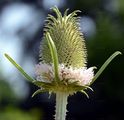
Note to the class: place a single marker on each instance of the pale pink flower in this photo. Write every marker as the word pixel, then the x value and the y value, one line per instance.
pixel 44 72
pixel 83 76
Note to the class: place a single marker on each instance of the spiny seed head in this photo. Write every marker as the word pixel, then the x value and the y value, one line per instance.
pixel 68 39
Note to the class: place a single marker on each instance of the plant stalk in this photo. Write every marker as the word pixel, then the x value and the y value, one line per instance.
pixel 61 105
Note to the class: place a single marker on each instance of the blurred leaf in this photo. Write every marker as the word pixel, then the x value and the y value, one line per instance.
pixel 6 93
pixel 11 113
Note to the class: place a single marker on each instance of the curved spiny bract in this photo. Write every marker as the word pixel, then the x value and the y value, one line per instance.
pixel 67 37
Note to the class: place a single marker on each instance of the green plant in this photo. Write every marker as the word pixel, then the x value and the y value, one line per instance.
pixel 62 69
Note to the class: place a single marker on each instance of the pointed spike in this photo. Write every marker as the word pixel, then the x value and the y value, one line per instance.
pixel 50 17
pixel 66 12
pixel 38 91
pixel 89 88
pixel 74 13
pixel 50 93
pixel 58 13
pixel 85 93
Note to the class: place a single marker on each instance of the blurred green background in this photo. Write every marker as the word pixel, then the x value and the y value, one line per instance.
pixel 21 30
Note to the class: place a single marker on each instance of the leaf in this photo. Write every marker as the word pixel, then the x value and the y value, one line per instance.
pixel 19 68
pixel 38 91
pixel 54 55
pixel 105 65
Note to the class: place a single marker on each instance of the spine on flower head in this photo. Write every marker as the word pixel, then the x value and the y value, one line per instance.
pixel 67 37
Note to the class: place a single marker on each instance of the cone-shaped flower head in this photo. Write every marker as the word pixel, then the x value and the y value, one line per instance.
pixel 65 33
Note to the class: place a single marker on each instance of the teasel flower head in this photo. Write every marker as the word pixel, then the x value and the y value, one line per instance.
pixel 68 39
pixel 63 61
pixel 72 73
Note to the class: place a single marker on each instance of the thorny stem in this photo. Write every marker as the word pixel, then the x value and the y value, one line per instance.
pixel 61 104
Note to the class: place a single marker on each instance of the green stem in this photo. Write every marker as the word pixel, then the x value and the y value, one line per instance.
pixel 61 104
